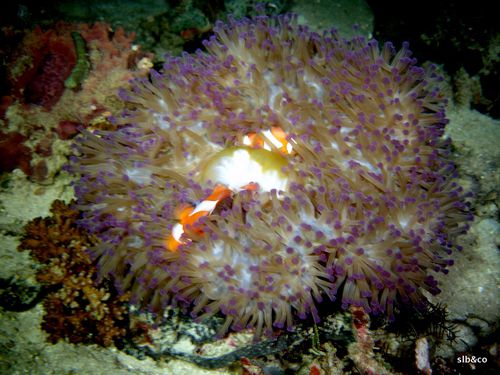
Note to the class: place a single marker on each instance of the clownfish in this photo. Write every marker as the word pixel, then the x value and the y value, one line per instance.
pixel 188 216
pixel 274 137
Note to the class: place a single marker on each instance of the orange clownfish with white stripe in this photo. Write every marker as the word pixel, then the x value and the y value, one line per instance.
pixel 189 215
pixel 275 137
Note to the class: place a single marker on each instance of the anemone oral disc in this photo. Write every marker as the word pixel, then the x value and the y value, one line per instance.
pixel 236 167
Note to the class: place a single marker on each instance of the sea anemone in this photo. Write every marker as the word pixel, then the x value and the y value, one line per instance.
pixel 274 169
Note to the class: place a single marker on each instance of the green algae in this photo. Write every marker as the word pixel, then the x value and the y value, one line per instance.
pixel 82 66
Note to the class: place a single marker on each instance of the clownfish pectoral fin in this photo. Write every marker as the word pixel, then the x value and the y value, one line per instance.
pixel 252 186
pixel 171 244
pixel 183 211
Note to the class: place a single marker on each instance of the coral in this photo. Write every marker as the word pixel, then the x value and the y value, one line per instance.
pixel 279 168
pixel 13 153
pixel 67 129
pixel 106 60
pixel 47 60
pixel 109 53
pixel 78 307
pixel 37 75
pixel 6 101
pixel 40 172
pixel 361 351
pixel 422 356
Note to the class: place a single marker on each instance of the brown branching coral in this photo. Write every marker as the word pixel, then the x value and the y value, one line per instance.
pixel 78 307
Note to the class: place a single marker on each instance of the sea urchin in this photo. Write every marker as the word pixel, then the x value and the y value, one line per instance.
pixel 277 168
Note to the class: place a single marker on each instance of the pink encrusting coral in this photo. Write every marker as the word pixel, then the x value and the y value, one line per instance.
pixel 355 201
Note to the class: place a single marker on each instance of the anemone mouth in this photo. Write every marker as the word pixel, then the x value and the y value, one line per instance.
pixel 238 166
